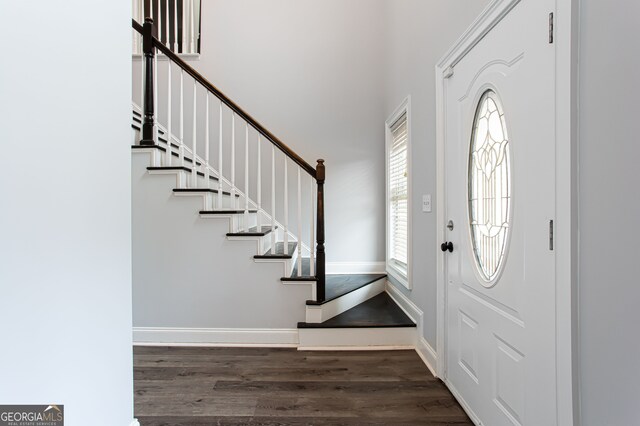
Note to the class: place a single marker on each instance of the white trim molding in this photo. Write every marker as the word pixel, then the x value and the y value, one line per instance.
pixel 422 346
pixel 355 268
pixel 400 275
pixel 566 40
pixel 177 336
pixel 134 422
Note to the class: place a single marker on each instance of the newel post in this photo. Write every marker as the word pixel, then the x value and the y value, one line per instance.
pixel 147 48
pixel 320 255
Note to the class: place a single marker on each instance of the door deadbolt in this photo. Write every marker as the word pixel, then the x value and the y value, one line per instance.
pixel 450 225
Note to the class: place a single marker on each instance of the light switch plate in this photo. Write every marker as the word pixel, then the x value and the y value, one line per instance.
pixel 426 203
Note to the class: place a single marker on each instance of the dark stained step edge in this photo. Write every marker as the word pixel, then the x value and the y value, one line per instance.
pixel 320 326
pixel 163 149
pixel 293 278
pixel 300 278
pixel 216 212
pixel 214 191
pixel 250 233
pixel 179 168
pixel 366 283
pixel 277 255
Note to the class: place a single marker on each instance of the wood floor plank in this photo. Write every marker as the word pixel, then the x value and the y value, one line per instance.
pixel 261 386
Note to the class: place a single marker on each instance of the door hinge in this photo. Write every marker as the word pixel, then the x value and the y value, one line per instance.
pixel 448 73
pixel 551 235
pixel 551 28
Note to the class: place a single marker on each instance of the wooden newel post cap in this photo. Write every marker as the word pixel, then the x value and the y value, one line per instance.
pixel 320 171
pixel 148 20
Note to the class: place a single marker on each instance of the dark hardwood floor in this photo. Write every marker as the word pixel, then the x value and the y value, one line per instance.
pixel 256 386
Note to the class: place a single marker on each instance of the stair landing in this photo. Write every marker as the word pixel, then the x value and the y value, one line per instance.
pixel 379 311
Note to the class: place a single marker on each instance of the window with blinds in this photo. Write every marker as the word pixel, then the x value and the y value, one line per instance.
pixel 398 194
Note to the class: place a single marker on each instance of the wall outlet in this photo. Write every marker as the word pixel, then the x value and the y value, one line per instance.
pixel 426 203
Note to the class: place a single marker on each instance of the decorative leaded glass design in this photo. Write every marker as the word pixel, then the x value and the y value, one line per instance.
pixel 489 186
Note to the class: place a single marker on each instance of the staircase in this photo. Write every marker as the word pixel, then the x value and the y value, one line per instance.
pixel 285 221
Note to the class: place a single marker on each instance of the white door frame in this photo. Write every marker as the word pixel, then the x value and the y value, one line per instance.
pixel 565 38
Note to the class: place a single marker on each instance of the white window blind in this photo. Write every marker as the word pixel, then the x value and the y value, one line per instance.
pixel 398 191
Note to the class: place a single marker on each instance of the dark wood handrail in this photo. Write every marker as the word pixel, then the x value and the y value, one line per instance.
pixel 136 26
pixel 229 103
pixel 148 122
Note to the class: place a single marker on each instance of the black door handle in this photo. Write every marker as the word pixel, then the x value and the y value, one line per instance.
pixel 448 245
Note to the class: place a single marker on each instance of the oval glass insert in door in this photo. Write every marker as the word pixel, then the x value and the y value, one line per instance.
pixel 489 181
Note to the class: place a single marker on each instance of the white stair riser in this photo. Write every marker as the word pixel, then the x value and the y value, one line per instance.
pixel 317 314
pixel 325 338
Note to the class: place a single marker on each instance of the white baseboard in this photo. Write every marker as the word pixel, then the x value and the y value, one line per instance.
pixel 406 304
pixel 355 348
pixel 174 336
pixel 426 352
pixel 134 422
pixel 355 268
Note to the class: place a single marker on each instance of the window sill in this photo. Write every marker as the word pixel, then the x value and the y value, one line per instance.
pixel 398 275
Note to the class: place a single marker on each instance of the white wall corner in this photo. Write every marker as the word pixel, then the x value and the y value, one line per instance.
pixel 356 268
pixel 241 337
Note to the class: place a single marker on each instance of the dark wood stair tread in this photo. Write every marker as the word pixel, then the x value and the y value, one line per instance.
pixel 200 190
pixel 279 253
pixel 215 212
pixel 169 168
pixel 304 274
pixel 252 232
pixel 378 312
pixel 337 285
pixel 161 148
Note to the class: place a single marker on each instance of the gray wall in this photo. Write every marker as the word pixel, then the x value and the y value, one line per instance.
pixel 324 76
pixel 65 227
pixel 609 204
pixel 311 71
pixel 419 32
pixel 189 275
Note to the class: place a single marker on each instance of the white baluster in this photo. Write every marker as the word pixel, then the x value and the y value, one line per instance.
pixel 233 160
pixel 134 33
pixel 246 175
pixel 299 224
pixel 181 142
pixel 159 23
pixel 194 172
pixel 155 97
pixel 220 160
pixel 142 83
pixel 175 26
pixel 168 155
pixel 273 199
pixel 167 26
pixel 192 28
pixel 259 186
pixel 206 144
pixel 141 21
pixel 184 26
pixel 286 208
pixel 312 243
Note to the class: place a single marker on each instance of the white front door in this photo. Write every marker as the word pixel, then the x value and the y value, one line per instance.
pixel 500 334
